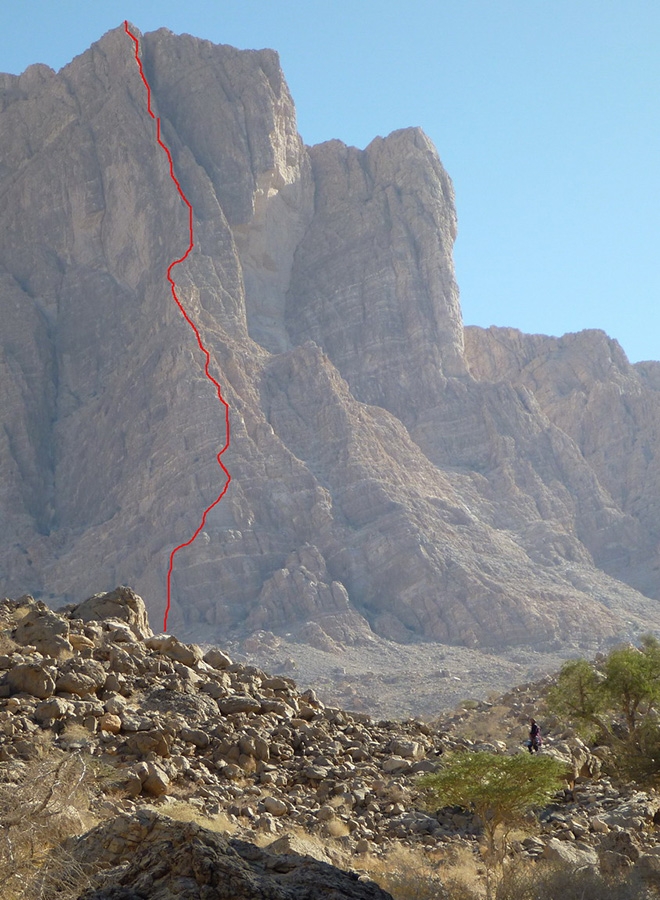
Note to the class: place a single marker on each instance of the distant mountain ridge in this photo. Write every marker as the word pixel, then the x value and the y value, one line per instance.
pixel 394 475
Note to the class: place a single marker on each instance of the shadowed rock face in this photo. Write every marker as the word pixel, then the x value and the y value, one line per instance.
pixel 385 478
pixel 184 860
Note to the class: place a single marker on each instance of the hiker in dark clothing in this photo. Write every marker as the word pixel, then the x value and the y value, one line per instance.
pixel 534 742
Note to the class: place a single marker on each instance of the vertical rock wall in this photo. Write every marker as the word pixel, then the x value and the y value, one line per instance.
pixel 384 482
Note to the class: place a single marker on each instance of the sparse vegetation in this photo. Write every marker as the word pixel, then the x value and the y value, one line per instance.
pixel 549 881
pixel 184 811
pixel 615 701
pixel 48 802
pixel 498 789
pixel 170 748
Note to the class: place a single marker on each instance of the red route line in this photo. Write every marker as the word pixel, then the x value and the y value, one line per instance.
pixel 185 315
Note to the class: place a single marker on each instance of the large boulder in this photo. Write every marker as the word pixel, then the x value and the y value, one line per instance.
pixel 168 645
pixel 45 630
pixel 122 603
pixel 570 855
pixel 31 678
pixel 81 677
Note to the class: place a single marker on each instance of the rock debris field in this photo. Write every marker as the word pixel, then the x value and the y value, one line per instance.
pixel 301 788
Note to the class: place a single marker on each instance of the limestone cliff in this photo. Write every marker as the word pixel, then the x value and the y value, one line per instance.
pixel 386 480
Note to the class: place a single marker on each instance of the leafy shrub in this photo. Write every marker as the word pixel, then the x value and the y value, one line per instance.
pixel 616 701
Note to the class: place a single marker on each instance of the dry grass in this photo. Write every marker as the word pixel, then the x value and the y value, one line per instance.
pixel 549 881
pixel 459 874
pixel 495 724
pixel 183 811
pixel 73 731
pixel 454 873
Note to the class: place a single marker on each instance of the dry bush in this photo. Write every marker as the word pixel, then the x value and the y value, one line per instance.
pixel 495 724
pixel 46 802
pixel 409 876
pixel 550 881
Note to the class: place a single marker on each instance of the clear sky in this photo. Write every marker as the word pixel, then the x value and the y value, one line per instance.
pixel 545 114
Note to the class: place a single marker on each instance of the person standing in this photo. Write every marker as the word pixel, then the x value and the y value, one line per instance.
pixel 534 742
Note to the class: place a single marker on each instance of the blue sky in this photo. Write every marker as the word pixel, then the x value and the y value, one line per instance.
pixel 545 114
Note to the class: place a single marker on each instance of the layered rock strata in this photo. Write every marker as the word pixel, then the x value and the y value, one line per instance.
pixel 386 482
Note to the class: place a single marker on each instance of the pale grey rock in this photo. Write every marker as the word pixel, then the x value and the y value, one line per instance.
pixel 167 644
pixel 407 749
pixel 569 854
pixel 585 385
pixel 395 764
pixel 275 806
pixel 387 482
pixel 239 703
pixel 217 659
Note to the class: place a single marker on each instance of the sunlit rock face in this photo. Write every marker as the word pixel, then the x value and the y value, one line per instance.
pixel 392 475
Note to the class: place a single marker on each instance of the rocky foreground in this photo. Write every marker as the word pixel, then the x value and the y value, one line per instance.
pixel 298 788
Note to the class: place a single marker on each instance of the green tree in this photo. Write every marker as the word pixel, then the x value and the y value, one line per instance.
pixel 499 789
pixel 619 698
pixel 578 694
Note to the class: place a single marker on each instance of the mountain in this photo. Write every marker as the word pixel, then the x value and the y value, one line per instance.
pixel 394 476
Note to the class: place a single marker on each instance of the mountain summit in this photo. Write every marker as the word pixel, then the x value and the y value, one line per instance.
pixel 394 476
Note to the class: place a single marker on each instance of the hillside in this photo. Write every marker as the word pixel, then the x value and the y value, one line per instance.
pixel 136 766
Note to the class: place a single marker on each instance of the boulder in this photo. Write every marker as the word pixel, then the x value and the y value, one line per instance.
pixel 239 703
pixel 110 722
pixel 635 813
pixel 80 642
pixel 570 854
pixel 122 603
pixel 408 749
pixel 52 709
pixel 166 859
pixel 216 658
pixel 157 781
pixel 81 676
pixel 174 649
pixel 141 743
pixel 31 678
pixel 275 806
pixel 195 736
pixel 395 764
pixel 45 630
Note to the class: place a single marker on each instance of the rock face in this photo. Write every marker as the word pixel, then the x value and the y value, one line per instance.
pixel 586 387
pixel 387 481
pixel 173 860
